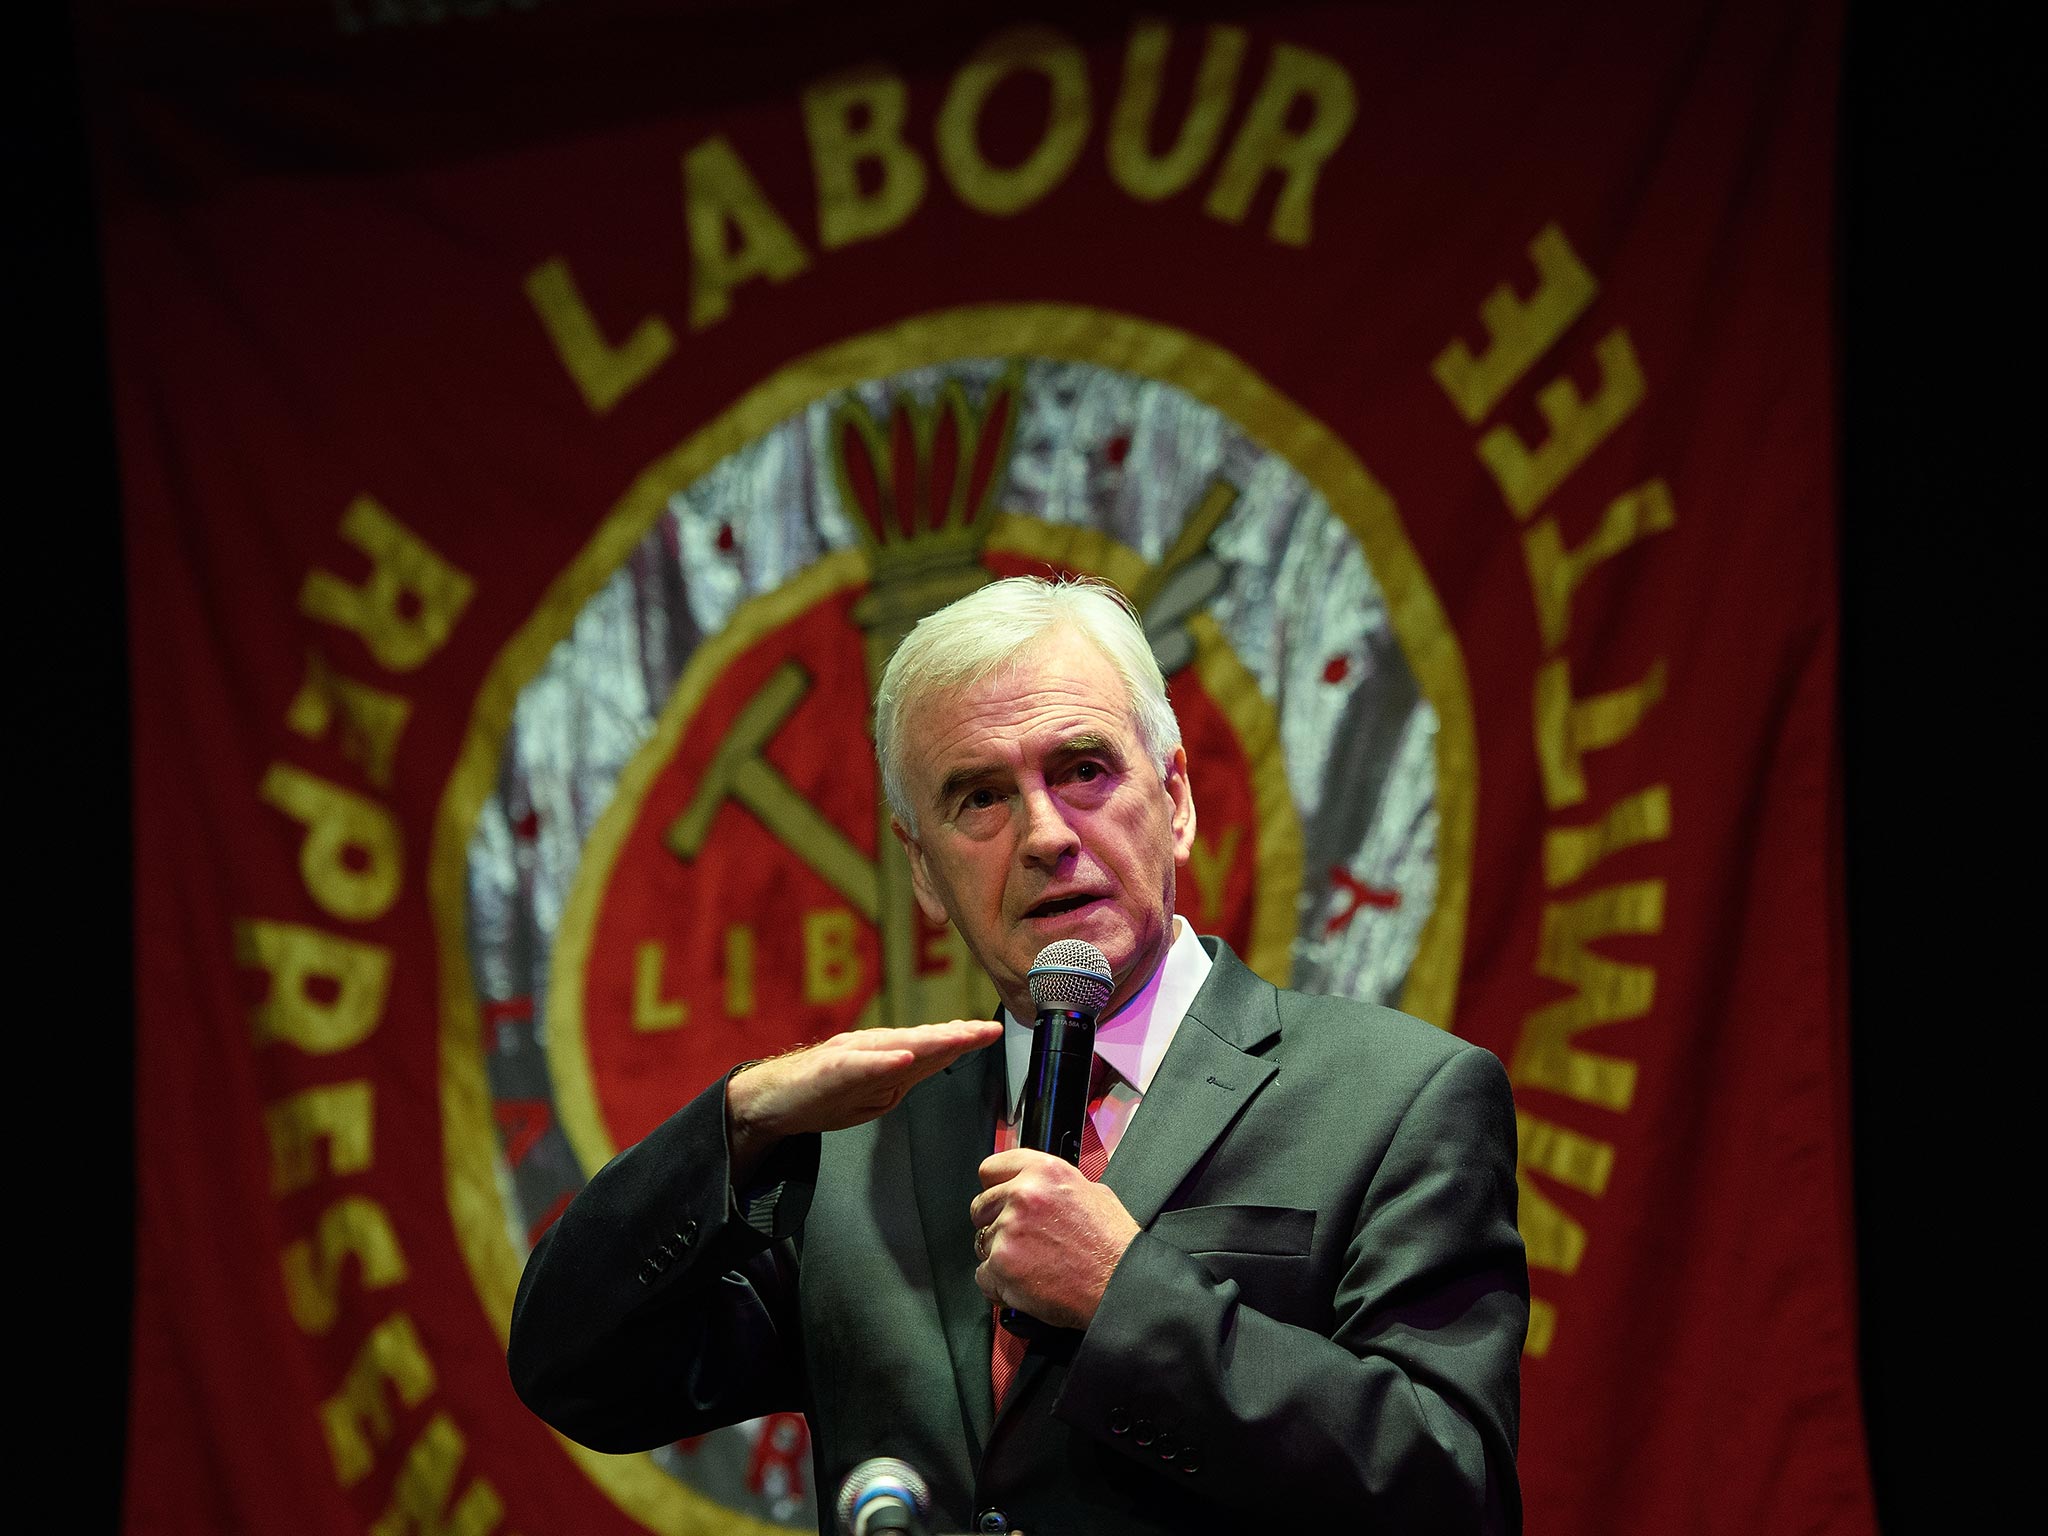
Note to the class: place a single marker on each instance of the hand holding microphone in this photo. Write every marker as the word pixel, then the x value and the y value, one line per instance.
pixel 1047 1237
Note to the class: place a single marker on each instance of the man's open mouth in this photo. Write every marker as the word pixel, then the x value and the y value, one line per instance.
pixel 1061 904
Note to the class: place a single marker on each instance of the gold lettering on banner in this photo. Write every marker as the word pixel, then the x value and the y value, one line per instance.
pixel 1008 190
pixel 1604 992
pixel 735 233
pixel 338 824
pixel 869 177
pixel 420 1498
pixel 296 958
pixel 652 1011
pixel 1517 333
pixel 337 1114
pixel 1553 1240
pixel 1136 169
pixel 353 1227
pixel 1570 852
pixel 1577 426
pixel 946 953
pixel 603 373
pixel 1568 728
pixel 832 968
pixel 1548 1056
pixel 1555 574
pixel 371 719
pixel 881 102
pixel 407 608
pixel 1266 144
pixel 1212 863
pixel 323 993
pixel 739 971
pixel 361 1412
pixel 1577 1162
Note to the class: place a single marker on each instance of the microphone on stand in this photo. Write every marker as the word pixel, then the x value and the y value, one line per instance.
pixel 884 1494
pixel 1070 984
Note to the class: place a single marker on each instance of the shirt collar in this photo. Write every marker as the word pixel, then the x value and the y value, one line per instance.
pixel 1133 1039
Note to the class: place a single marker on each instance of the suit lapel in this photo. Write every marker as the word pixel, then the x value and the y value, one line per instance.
pixel 1202 1085
pixel 952 1128
pixel 1206 1079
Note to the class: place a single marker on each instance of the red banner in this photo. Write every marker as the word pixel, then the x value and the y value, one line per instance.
pixel 538 422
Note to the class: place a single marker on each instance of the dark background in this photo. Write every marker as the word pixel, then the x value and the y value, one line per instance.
pixel 1935 497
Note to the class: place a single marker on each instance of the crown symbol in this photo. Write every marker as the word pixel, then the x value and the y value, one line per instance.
pixel 920 487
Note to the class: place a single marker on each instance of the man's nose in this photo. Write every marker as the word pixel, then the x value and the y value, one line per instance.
pixel 1047 836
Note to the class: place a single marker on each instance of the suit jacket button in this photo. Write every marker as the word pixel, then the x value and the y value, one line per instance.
pixel 1119 1421
pixel 1191 1458
pixel 1166 1448
pixel 993 1521
pixel 688 1235
pixel 1144 1431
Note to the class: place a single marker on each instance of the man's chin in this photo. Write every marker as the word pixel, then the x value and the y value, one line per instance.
pixel 1030 936
pixel 1109 929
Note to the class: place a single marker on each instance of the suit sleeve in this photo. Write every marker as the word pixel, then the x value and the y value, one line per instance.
pixel 662 1304
pixel 1404 1417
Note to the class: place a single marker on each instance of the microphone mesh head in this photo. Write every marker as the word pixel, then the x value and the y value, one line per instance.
pixel 1070 973
pixel 880 1475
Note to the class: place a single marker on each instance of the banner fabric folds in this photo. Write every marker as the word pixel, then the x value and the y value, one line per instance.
pixel 538 422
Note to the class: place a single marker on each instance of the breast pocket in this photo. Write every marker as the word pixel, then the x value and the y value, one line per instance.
pixel 1264 1249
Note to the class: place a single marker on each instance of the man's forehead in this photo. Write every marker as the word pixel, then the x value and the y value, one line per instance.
pixel 950 743
pixel 977 759
pixel 1053 703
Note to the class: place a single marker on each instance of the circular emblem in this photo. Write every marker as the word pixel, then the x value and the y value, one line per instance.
pixel 664 849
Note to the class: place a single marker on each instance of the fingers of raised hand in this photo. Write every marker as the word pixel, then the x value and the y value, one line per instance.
pixel 905 1055
pixel 855 1076
pixel 938 1045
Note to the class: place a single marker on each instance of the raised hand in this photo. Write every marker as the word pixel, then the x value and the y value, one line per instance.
pixel 1047 1236
pixel 847 1080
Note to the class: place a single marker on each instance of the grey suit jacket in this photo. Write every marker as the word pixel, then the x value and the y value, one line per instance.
pixel 1322 1317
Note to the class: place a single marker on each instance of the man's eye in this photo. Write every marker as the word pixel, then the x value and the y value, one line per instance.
pixel 978 800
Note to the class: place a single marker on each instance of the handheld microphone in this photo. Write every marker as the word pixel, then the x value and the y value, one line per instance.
pixel 884 1494
pixel 1070 984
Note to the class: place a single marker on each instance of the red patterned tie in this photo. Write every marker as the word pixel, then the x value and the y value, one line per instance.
pixel 1009 1348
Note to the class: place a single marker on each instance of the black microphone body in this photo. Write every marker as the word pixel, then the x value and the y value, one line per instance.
pixel 1056 1083
pixel 1070 984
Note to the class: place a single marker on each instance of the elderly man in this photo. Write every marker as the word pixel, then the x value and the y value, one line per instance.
pixel 1296 1291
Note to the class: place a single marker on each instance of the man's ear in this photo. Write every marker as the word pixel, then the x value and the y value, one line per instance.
pixel 920 876
pixel 1181 791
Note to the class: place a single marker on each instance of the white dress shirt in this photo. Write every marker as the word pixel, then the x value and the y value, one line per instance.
pixel 1133 1040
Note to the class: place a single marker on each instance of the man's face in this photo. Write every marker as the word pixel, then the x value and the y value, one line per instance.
pixel 1039 816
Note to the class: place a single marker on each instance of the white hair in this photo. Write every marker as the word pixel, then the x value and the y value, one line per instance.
pixel 990 628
